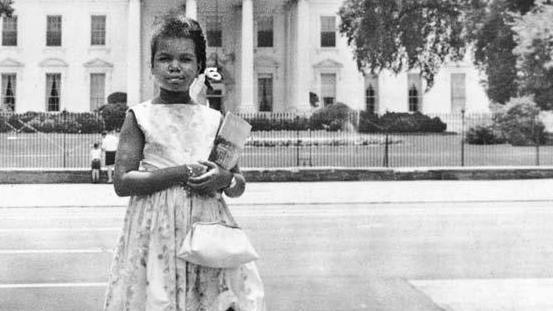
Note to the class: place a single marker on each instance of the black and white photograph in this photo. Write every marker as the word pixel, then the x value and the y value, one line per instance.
pixel 276 155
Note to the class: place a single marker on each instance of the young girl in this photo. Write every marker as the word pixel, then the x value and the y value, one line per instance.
pixel 163 142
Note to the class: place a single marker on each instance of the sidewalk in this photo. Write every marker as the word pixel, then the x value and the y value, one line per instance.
pixel 59 195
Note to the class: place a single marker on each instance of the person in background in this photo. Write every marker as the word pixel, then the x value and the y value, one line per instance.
pixel 96 162
pixel 109 146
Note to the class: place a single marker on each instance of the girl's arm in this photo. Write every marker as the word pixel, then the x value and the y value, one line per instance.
pixel 127 179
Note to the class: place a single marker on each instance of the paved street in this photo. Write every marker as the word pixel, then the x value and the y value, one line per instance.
pixel 420 245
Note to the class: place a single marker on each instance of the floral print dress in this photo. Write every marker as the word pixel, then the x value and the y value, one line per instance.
pixel 146 274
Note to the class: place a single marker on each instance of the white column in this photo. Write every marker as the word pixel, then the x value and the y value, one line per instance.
pixel 247 103
pixel 192 9
pixel 133 53
pixel 302 68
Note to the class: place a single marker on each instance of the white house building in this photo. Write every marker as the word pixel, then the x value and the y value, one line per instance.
pixel 71 54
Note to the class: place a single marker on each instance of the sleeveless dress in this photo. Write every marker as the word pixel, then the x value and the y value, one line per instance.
pixel 146 274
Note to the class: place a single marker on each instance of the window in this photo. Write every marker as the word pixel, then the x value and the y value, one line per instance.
pixel 265 32
pixel 328 88
pixel 53 88
pixel 458 92
pixel 328 31
pixel 413 99
pixel 371 93
pixel 98 30
pixel 214 32
pixel 9 31
pixel 265 92
pixel 53 31
pixel 8 91
pixel 414 84
pixel 97 90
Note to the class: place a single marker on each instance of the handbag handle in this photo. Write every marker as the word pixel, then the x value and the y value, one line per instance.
pixel 220 222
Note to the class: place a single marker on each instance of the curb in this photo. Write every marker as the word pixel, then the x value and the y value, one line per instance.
pixel 65 175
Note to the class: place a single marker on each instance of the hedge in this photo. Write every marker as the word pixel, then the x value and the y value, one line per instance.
pixel 484 135
pixel 277 122
pixel 400 122
pixel 334 117
pixel 65 122
pixel 331 118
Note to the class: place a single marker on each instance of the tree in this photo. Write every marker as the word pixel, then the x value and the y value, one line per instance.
pixel 6 8
pixel 489 28
pixel 405 34
pixel 534 38
pixel 400 35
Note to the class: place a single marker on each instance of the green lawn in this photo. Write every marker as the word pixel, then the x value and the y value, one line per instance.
pixel 72 150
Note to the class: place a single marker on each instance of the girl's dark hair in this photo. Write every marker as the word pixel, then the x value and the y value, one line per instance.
pixel 176 25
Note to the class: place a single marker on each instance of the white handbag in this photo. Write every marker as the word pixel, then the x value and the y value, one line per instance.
pixel 217 245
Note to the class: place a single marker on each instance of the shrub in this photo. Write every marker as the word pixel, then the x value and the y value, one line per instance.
pixel 89 122
pixel 18 121
pixel 333 117
pixel 369 123
pixel 518 122
pixel 43 123
pixel 412 122
pixel 113 115
pixel 277 122
pixel 402 122
pixel 4 125
pixel 484 135
pixel 68 122
pixel 117 98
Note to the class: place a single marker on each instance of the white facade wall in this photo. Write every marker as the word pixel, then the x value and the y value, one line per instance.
pixel 438 98
pixel 338 60
pixel 75 59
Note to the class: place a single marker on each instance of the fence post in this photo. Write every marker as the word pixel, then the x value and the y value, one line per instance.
pixel 297 146
pixel 310 147
pixel 536 139
pixel 64 116
pixel 462 137
pixel 386 143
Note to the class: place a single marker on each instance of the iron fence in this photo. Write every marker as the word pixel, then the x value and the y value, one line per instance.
pixel 41 140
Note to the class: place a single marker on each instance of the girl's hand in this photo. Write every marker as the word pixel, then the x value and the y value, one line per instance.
pixel 196 169
pixel 215 179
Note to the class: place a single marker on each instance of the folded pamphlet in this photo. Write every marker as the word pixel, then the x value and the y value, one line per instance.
pixel 230 141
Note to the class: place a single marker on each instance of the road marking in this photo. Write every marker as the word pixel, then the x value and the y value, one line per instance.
pixel 46 285
pixel 489 294
pixel 56 251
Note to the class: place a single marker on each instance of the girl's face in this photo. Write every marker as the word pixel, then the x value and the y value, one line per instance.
pixel 175 64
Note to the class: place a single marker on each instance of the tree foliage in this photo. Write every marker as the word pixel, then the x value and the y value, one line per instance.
pixel 400 35
pixel 489 28
pixel 6 8
pixel 519 122
pixel 534 38
pixel 117 98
